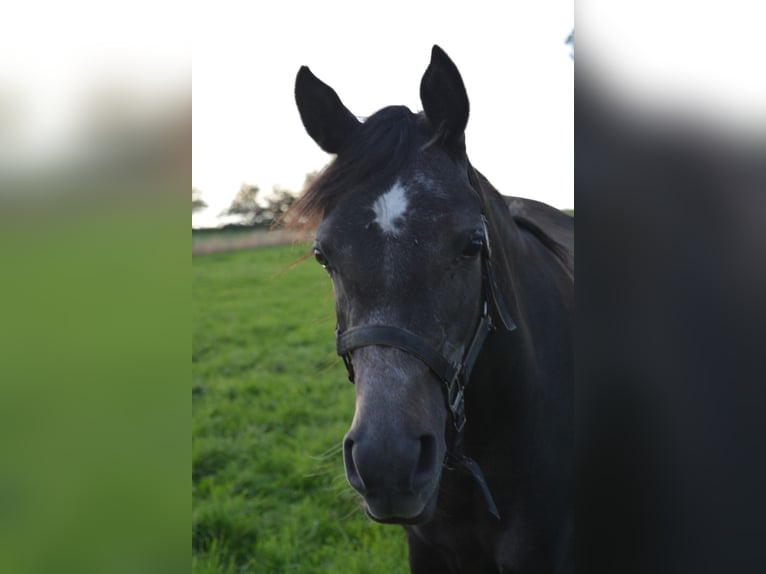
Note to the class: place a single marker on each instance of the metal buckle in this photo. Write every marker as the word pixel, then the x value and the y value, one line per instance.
pixel 485 226
pixel 458 411
pixel 455 398
pixel 349 367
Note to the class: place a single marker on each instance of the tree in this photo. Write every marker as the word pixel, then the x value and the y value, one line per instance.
pixel 277 205
pixel 245 203
pixel 197 202
pixel 309 179
pixel 256 212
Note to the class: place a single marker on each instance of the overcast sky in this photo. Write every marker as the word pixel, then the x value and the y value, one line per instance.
pixel 512 57
pixel 517 71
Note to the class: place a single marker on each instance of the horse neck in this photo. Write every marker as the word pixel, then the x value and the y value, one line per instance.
pixel 516 384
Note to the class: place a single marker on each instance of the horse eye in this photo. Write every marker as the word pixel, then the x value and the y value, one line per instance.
pixel 321 259
pixel 474 247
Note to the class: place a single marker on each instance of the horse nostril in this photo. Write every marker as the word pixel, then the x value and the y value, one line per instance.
pixel 352 474
pixel 426 465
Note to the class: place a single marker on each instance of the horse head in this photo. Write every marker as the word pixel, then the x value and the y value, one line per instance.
pixel 402 235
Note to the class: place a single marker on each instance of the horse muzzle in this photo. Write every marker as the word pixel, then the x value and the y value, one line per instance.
pixel 398 479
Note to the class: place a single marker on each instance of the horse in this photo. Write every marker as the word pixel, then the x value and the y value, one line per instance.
pixel 454 309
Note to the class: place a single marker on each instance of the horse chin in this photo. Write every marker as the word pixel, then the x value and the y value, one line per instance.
pixel 418 517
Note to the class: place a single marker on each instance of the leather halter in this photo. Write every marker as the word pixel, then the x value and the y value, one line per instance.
pixel 455 373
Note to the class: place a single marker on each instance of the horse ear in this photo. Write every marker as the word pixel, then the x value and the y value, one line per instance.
pixel 324 116
pixel 443 95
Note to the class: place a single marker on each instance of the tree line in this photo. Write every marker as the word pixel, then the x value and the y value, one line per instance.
pixel 253 209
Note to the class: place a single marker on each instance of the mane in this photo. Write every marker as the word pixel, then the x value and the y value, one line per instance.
pixel 548 240
pixel 378 150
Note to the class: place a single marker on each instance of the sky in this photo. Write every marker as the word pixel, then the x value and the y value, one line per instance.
pixel 512 58
pixel 239 59
pixel 57 58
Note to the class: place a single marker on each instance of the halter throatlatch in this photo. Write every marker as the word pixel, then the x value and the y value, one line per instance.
pixel 454 372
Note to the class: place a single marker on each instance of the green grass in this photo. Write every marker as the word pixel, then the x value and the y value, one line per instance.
pixel 270 406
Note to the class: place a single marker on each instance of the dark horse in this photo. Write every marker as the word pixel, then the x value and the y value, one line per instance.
pixel 454 314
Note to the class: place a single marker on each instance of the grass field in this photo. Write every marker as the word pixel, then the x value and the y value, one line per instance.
pixel 270 406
